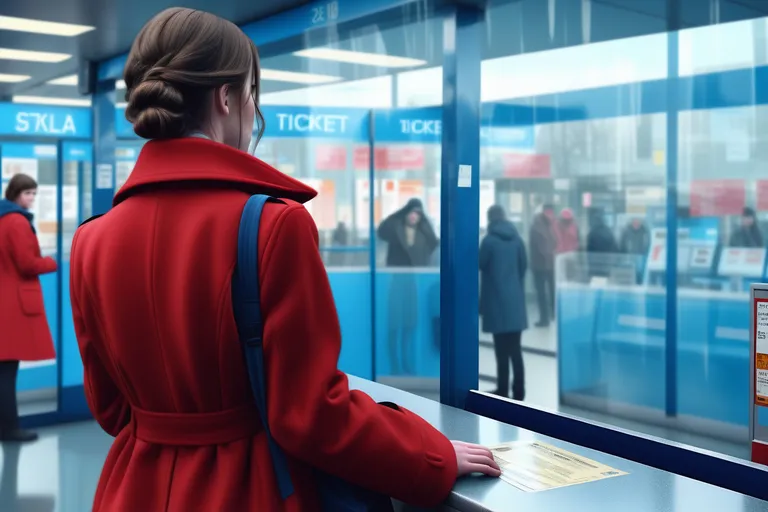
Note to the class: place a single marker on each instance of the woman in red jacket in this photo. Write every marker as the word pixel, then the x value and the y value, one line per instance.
pixel 151 298
pixel 24 332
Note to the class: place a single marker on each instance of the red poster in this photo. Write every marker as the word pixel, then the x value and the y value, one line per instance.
pixel 330 157
pixel 390 158
pixel 762 195
pixel 715 198
pixel 522 165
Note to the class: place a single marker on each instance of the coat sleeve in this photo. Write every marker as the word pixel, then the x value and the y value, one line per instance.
pixel 106 402
pixel 25 249
pixel 522 261
pixel 312 412
pixel 388 228
pixel 484 256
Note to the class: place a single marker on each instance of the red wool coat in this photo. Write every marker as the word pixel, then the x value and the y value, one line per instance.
pixel 151 299
pixel 24 331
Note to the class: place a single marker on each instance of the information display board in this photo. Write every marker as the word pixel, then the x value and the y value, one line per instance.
pixel 742 262
pixel 758 399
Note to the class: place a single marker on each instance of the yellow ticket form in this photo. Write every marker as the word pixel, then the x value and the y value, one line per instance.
pixel 533 466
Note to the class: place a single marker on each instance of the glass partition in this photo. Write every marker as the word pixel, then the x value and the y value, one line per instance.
pixel 407 160
pixel 77 160
pixel 318 129
pixel 643 142
pixel 320 147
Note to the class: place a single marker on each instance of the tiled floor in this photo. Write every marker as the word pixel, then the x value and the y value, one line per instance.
pixel 57 473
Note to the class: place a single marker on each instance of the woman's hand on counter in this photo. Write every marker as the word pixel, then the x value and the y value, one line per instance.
pixel 472 458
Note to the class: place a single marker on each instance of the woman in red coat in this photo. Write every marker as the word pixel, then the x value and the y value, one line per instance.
pixel 152 305
pixel 24 332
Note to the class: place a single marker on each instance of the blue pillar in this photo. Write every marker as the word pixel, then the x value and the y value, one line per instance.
pixel 463 40
pixel 104 144
pixel 673 109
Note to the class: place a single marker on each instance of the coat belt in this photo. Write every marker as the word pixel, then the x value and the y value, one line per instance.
pixel 195 429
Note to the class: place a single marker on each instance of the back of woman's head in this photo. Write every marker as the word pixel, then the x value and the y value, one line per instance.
pixel 178 59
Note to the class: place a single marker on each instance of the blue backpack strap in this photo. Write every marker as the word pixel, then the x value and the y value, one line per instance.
pixel 247 308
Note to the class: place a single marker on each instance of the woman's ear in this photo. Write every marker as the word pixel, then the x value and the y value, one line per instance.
pixel 221 100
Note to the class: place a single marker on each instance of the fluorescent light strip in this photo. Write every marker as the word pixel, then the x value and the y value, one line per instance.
pixel 50 28
pixel 30 56
pixel 45 100
pixel 362 58
pixel 120 84
pixel 13 79
pixel 296 77
pixel 64 80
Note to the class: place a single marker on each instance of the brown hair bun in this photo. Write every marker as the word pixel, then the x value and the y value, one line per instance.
pixel 156 109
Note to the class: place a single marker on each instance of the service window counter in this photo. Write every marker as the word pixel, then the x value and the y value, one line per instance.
pixel 320 147
pixel 406 167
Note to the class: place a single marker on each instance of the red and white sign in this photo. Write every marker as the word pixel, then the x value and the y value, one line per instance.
pixel 390 158
pixel 715 198
pixel 522 165
pixel 330 157
pixel 762 195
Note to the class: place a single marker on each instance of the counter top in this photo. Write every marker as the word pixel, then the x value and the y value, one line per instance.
pixel 645 489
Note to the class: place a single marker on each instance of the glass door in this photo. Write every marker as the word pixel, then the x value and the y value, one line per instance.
pixel 77 160
pixel 37 381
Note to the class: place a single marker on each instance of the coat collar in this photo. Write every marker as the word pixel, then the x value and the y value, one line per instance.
pixel 195 160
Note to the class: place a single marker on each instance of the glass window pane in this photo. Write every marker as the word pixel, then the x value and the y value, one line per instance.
pixel 385 287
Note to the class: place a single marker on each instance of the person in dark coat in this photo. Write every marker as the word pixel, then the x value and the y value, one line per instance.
pixel 543 245
pixel 600 241
pixel 635 239
pixel 340 239
pixel 411 241
pixel 503 264
pixel 748 234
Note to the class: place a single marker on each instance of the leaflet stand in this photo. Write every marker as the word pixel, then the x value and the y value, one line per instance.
pixel 758 379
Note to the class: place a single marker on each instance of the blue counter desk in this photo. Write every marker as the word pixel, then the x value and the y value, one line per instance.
pixel 645 489
pixel 612 355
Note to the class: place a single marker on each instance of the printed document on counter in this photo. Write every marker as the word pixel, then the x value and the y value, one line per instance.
pixel 533 466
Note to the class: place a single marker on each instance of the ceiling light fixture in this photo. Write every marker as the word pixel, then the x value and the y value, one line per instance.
pixel 120 84
pixel 362 58
pixel 64 80
pixel 296 77
pixel 30 56
pixel 50 28
pixel 13 79
pixel 45 100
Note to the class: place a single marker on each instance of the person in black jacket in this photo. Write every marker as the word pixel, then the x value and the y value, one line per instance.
pixel 411 241
pixel 600 241
pixel 748 234
pixel 635 239
pixel 503 264
pixel 543 245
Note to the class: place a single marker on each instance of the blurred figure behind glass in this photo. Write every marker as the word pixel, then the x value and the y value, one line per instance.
pixel 748 234
pixel 503 264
